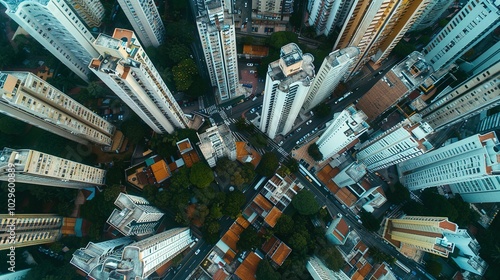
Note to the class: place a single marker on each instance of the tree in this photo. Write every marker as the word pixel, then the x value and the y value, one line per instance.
pixel 111 193
pixel 96 90
pixel 292 165
pixel 201 175
pixel 433 267
pixel 266 272
pixel 314 152
pixel 284 225
pixel 298 242
pixel 379 256
pixel 234 201
pixel 402 49
pixel 268 164
pixel 199 88
pixel 180 180
pixel 183 74
pixel 305 203
pixel 249 239
pixel 399 195
pixel 12 126
pixel 369 221
pixel 213 227
pixel 178 52
pixel 322 110
pixel 215 212
pixel 331 257
pixel 281 38
pixel 134 129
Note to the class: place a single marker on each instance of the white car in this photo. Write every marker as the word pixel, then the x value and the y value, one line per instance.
pixel 309 122
pixel 246 4
pixel 249 64
pixel 197 252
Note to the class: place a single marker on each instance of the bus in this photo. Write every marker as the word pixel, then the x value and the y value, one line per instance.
pixel 259 183
pixel 402 266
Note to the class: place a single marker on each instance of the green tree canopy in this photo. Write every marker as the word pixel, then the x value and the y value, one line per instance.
pixel 134 129
pixel 265 271
pixel 184 73
pixel 249 239
pixel 284 225
pixel 433 267
pixel 178 52
pixel 268 164
pixel 331 257
pixel 201 175
pixel 298 242
pixel 322 110
pixel 111 193
pixel 399 195
pixel 305 203
pixel 12 126
pixel 314 152
pixel 369 221
pixel 281 38
pixel 234 201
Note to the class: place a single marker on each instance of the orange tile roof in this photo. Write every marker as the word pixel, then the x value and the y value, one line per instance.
pixel 242 222
pixel 448 225
pixel 380 272
pixel 230 238
pixel 346 196
pixel 160 171
pixel 236 229
pixel 190 158
pixel 242 151
pixel 357 276
pixel 361 246
pixel 220 275
pixel 365 269
pixel 366 184
pixel 342 227
pixel 273 216
pixel 281 254
pixel 263 203
pixel 255 50
pixel 184 145
pixel 229 256
pixel 248 267
pixel 269 245
pixel 68 226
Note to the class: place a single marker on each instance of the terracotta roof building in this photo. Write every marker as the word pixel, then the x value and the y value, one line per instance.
pixel 338 231
pixel 247 269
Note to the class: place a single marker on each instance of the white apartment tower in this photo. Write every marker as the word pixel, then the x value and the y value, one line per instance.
pixel 29 229
pixel 325 15
pixel 470 167
pixel 90 11
pixel 141 259
pixel 86 259
pixel 28 98
pixel 35 167
pixel 58 29
pixel 345 128
pixel 125 68
pixel 146 21
pixel 287 83
pixel 218 40
pixel 274 7
pixel 136 216
pixel 403 141
pixel 332 71
pixel 468 27
pixel 477 94
pixel 431 14
pixel 217 142
pixel 375 27
pixel 319 271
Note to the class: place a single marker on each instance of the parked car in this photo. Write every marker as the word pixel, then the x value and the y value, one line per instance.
pixel 249 64
pixel 197 252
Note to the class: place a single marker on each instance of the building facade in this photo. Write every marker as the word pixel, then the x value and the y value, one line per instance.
pixel 431 14
pixel 422 233
pixel 57 28
pixel 325 15
pixel 468 252
pixel 376 27
pixel 90 11
pixel 31 99
pixel 470 167
pixel 477 94
pixel 143 258
pixel 332 71
pixel 136 216
pixel 218 40
pixel 345 128
pixel 146 21
pixel 39 168
pixel 287 83
pixel 125 68
pixel 217 142
pixel 89 257
pixel 319 271
pixel 403 141
pixel 29 229
pixel 469 26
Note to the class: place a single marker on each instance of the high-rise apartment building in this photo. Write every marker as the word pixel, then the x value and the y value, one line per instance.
pixel 375 27
pixel 58 29
pixel 431 14
pixel 125 68
pixel 287 82
pixel 403 141
pixel 218 40
pixel 136 216
pixel 486 59
pixel 39 168
pixel 477 94
pixel 325 15
pixel 319 271
pixel 421 233
pixel 141 259
pixel 28 98
pixel 24 230
pixel 217 142
pixel 470 25
pixel 86 259
pixel 90 11
pixel 146 21
pixel 470 167
pixel 467 257
pixel 274 7
pixel 332 71
pixel 345 128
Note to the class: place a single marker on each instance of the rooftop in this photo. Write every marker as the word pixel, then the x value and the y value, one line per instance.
pixel 248 267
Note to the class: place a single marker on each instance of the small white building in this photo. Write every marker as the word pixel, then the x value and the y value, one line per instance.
pixel 217 142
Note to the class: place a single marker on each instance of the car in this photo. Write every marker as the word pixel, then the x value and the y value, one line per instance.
pixel 197 252
pixel 246 4
pixel 252 71
pixel 298 129
pixel 196 240
pixel 249 64
pixel 380 72
pixel 246 20
pixel 309 122
pixel 280 143
pixel 296 143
